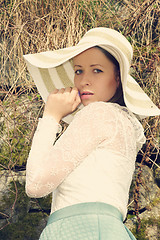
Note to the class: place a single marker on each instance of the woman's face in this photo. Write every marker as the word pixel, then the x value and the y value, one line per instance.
pixel 95 76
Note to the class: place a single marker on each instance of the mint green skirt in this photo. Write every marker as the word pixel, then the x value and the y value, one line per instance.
pixel 86 221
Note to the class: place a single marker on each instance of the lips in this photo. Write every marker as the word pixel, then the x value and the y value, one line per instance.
pixel 86 95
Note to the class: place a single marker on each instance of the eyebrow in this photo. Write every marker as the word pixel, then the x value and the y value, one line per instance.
pixel 77 66
pixel 92 65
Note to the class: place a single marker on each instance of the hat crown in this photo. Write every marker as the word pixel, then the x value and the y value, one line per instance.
pixel 112 41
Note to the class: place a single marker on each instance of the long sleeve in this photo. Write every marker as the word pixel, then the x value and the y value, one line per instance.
pixel 95 125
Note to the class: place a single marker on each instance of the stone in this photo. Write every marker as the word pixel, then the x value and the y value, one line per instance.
pixel 150 222
pixel 157 175
pixel 148 189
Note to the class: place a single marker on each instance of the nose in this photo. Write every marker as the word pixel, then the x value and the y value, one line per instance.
pixel 85 80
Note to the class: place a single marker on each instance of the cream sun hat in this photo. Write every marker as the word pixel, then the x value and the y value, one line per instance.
pixel 54 69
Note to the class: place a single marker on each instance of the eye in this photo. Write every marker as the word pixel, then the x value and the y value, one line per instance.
pixel 78 72
pixel 97 70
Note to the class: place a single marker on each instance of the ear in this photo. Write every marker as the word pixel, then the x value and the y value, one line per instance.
pixel 118 81
pixel 118 78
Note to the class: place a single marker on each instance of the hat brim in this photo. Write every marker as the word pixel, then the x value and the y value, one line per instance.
pixel 62 76
pixel 54 69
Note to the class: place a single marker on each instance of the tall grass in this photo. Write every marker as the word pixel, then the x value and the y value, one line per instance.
pixel 30 26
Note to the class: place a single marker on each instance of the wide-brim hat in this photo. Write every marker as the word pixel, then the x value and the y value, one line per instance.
pixel 54 69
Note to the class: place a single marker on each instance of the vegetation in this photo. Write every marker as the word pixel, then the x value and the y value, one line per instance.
pixel 39 25
pixel 24 223
pixel 141 234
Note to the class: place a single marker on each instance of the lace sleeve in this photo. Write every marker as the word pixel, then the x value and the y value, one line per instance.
pixel 49 165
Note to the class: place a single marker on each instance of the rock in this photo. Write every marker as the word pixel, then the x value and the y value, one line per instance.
pixel 148 189
pixel 150 222
pixel 149 205
pixel 157 175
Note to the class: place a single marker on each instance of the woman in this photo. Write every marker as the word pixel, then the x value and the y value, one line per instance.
pixel 89 169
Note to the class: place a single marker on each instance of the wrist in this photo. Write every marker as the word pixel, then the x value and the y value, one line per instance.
pixel 55 116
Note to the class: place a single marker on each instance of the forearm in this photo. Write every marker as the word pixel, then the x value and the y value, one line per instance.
pixel 43 140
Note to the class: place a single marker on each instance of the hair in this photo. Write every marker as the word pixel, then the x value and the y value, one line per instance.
pixel 118 96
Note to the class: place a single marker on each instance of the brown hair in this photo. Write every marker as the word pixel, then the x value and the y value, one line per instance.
pixel 118 96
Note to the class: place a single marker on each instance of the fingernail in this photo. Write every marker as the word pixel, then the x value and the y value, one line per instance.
pixel 79 93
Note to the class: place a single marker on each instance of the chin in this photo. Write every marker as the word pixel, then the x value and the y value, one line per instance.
pixel 85 103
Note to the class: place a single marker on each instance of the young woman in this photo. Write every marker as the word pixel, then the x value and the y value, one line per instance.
pixel 89 169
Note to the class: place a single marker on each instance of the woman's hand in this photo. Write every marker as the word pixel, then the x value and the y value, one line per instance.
pixel 62 102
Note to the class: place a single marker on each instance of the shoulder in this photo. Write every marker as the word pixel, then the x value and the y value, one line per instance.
pixel 106 112
pixel 99 105
pixel 111 117
pixel 102 114
pixel 103 109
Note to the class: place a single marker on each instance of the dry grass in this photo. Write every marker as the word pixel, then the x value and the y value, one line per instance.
pixel 29 26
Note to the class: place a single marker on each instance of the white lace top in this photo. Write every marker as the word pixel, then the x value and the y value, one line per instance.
pixel 93 160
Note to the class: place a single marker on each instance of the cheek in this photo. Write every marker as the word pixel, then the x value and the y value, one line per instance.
pixel 113 88
pixel 111 83
pixel 75 82
pixel 110 87
pixel 114 84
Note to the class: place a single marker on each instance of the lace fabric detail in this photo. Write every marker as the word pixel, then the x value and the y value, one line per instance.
pixel 98 125
pixel 138 128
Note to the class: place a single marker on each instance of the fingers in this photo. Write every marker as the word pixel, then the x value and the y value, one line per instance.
pixel 62 102
pixel 69 94
pixel 68 90
pixel 54 91
pixel 71 90
pixel 62 90
pixel 75 98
